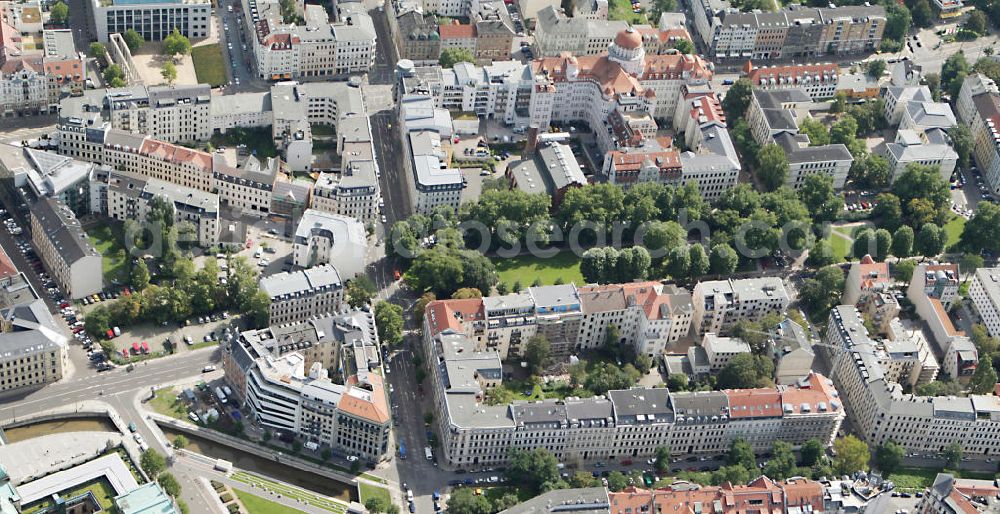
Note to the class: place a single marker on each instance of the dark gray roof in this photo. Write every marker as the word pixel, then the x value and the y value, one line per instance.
pixel 797 154
pixel 588 500
pixel 780 119
pixel 642 405
pixel 543 412
pixel 62 229
pixel 701 403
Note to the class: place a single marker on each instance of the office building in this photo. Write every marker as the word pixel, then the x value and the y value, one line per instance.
pixel 62 245
pixel 297 296
pixel 149 498
pixel 928 148
pixel 325 238
pixel 33 349
pixel 719 304
pixel 153 20
pixel 268 369
pixel 774 117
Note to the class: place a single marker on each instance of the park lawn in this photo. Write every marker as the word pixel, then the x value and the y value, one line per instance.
pixel 622 10
pixel 167 403
pixel 113 257
pixel 954 229
pixel 366 491
pixel 209 66
pixel 841 246
pixel 258 505
pixel 526 268
pixel 914 478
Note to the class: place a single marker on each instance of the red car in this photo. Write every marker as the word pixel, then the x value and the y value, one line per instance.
pixel 111 334
pixel 77 330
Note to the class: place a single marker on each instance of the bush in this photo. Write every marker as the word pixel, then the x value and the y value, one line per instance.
pixel 233 508
pixel 226 497
pixel 218 486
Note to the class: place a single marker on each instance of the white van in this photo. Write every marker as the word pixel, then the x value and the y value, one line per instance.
pixel 427 453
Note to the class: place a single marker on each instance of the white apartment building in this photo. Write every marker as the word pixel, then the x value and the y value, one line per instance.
pixel 973 86
pixel 65 250
pixel 268 371
pixel 881 411
pixel 985 295
pixel 929 148
pixel 719 304
pixel 32 345
pixel 435 183
pixel 353 193
pixel 297 296
pixel 325 238
pixel 319 48
pixel 247 110
pixel 984 120
pixel 129 197
pixel 33 79
pixel 649 316
pixel 819 81
pixel 897 97
pixel 153 20
pixel 621 424
pixel 721 350
pixel 248 186
pixel 168 113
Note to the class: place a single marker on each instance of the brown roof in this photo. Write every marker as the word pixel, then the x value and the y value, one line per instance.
pixel 628 38
pixel 457 31
pixel 444 314
pixel 374 409
pixel 175 153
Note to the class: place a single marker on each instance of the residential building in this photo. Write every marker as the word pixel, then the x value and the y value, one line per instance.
pixel 244 182
pixel 792 32
pixel 33 349
pixel 325 238
pixel 497 90
pixel 297 296
pixel 416 34
pixel 168 113
pixel 352 193
pixel 299 106
pixel 950 495
pixel 858 86
pixel 898 97
pixel 932 290
pixel 819 81
pixel 245 109
pixel 949 8
pixel 984 292
pixel 879 409
pixel 622 423
pixel 792 350
pixel 648 315
pixel 458 35
pixel 983 118
pixel 318 48
pixel 552 170
pixel 153 20
pixel 590 500
pixel 130 197
pixel 719 304
pixel 435 183
pixel 32 81
pixel 923 116
pixel 64 249
pixel 973 86
pixel 494 30
pixel 762 495
pixel 270 377
pixel 774 117
pixel 718 351
pixel 868 287
pixel 556 33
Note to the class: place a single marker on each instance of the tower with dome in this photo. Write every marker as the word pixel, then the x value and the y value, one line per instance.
pixel 627 51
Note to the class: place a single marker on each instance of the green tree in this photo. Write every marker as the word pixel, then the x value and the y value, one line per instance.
pixel 811 452
pixel 288 11
pixel 97 322
pixel 684 46
pixel 169 72
pixel 871 172
pixel 954 68
pixel 985 378
pixel 772 166
pixel 139 276
pixel 133 40
pixel 745 371
pixel 821 292
pixel 113 76
pixel 662 459
pixel 180 442
pixel 889 210
pixel 176 44
pixel 818 134
pixel 169 484
pixel 933 82
pixel 976 22
pixel 464 501
pixel 923 15
pixel 97 50
pixel 819 197
pixel 782 462
pixel 821 254
pixel 930 240
pixel 940 388
pixel 617 481
pixel 851 454
pixel 902 241
pixel 961 141
pixel 723 260
pixel 532 469
pixel 677 382
pixel 737 99
pixel 360 291
pixel 889 456
pixel 466 293
pixel 389 321
pixel 982 231
pixel 537 353
pixel 732 474
pixel 59 13
pixel 953 455
pixel 582 479
pixel 898 20
pixel 875 68
pixel 678 263
pixel 452 56
pixel 985 344
pixel 152 463
pixel 741 454
pixel 969 263
pixel 698 261
pixel 377 505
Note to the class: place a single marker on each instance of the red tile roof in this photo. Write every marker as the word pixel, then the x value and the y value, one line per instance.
pixel 754 403
pixel 457 31
pixel 444 314
pixel 374 408
pixel 793 74
pixel 761 495
pixel 176 153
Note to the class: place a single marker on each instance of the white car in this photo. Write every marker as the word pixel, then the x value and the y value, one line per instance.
pixel 352 458
pixel 139 439
pixel 208 369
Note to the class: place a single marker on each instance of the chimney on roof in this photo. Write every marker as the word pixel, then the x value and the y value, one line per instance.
pixel 532 144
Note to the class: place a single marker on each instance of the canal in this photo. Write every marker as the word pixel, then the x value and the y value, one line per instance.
pixel 59 426
pixel 269 468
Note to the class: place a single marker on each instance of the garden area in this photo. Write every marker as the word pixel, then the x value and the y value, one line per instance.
pixel 257 139
pixel 114 260
pixel 257 505
pixel 100 488
pixel 526 269
pixel 209 66
pixel 918 479
pixel 368 491
pixel 622 10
